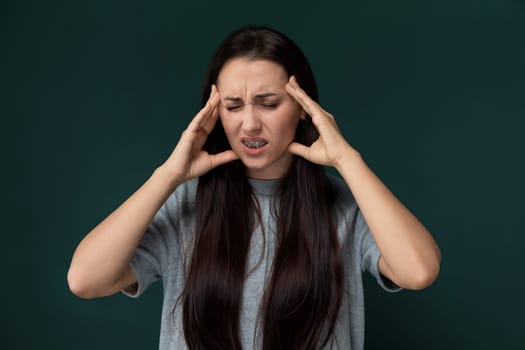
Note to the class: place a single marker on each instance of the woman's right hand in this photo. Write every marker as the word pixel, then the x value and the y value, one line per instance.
pixel 100 264
pixel 188 160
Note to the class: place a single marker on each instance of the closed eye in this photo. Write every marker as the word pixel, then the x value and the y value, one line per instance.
pixel 270 105
pixel 264 105
pixel 233 108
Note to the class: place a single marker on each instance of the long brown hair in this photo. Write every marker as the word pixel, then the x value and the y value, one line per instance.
pixel 303 295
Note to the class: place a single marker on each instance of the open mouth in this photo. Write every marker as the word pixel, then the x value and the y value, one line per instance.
pixel 254 144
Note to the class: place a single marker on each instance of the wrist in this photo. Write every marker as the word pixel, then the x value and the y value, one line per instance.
pixel 165 176
pixel 349 156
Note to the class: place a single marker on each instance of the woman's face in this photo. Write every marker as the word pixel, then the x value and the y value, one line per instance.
pixel 258 115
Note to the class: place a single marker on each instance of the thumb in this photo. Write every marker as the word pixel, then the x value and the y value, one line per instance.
pixel 223 158
pixel 298 149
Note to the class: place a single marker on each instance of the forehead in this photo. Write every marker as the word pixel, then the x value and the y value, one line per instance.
pixel 245 76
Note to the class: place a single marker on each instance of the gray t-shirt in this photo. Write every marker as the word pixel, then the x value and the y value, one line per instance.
pixel 166 248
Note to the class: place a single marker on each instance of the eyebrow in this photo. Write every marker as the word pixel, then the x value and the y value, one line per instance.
pixel 261 96
pixel 256 97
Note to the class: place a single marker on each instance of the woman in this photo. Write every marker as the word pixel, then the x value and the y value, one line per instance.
pixel 256 246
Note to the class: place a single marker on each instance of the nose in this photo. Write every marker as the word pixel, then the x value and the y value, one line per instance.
pixel 251 123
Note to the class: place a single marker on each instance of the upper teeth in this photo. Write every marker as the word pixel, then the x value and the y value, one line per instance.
pixel 254 144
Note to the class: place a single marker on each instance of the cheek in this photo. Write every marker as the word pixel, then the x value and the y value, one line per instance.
pixel 288 124
pixel 226 123
pixel 228 126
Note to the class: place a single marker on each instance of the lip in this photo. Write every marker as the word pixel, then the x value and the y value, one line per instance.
pixel 253 151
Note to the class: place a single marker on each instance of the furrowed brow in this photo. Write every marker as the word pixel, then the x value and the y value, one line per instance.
pixel 256 97
pixel 262 96
pixel 233 99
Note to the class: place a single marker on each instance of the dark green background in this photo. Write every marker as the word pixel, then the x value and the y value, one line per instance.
pixel 94 95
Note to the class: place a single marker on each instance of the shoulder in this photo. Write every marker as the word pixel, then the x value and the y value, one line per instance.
pixel 341 194
pixel 182 199
pixel 344 207
pixel 175 219
pixel 185 192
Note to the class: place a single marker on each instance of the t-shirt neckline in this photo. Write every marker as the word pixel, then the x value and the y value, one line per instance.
pixel 264 187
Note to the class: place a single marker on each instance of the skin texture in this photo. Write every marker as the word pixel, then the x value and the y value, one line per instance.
pixel 256 107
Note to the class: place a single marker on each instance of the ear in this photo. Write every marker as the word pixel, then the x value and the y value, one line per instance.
pixel 303 114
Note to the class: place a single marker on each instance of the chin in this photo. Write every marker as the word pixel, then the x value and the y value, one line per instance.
pixel 253 166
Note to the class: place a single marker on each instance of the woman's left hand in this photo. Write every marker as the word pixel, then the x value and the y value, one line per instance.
pixel 331 147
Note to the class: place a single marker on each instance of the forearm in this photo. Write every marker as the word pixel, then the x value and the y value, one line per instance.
pixel 103 255
pixel 408 249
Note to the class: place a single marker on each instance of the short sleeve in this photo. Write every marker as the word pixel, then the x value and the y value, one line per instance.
pixel 370 254
pixel 151 256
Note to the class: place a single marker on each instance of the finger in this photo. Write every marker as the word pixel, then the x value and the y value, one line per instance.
pixel 298 149
pixel 316 112
pixel 209 123
pixel 310 106
pixel 202 116
pixel 223 158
